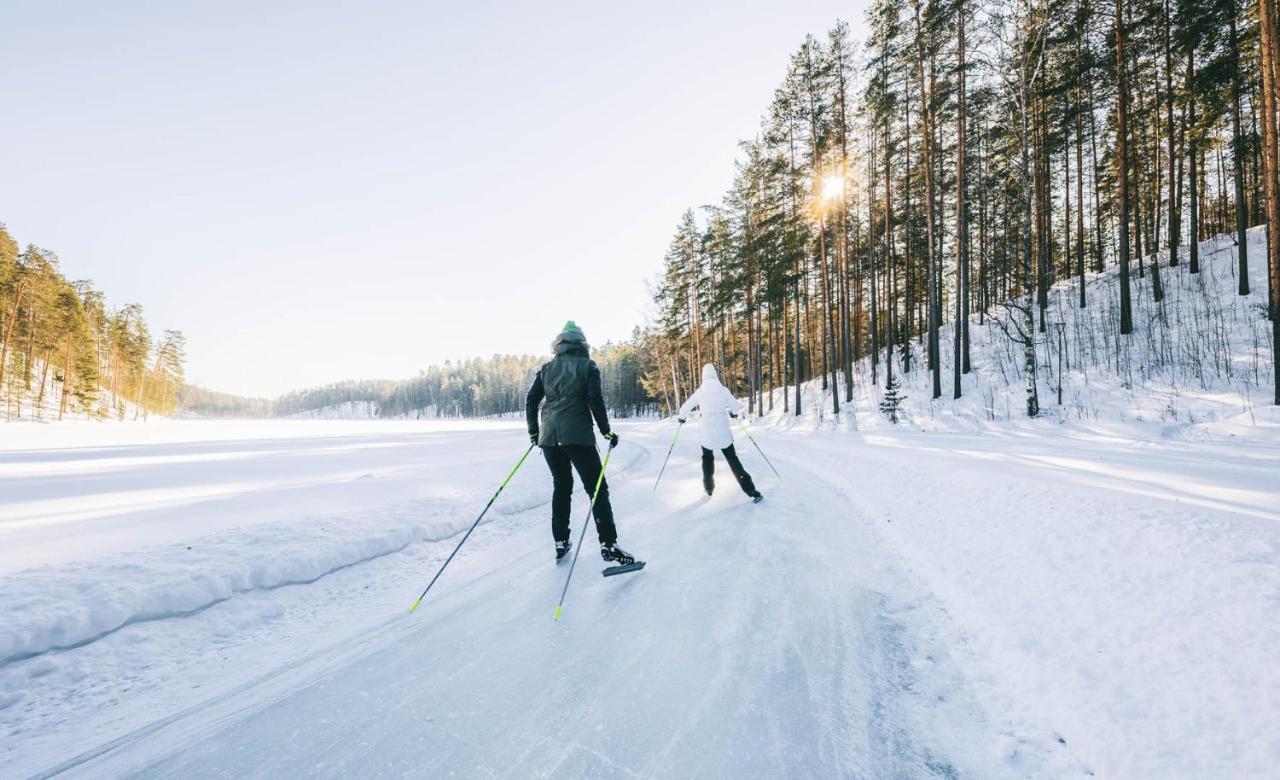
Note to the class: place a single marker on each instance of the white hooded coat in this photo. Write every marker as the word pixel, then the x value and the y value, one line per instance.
pixel 716 401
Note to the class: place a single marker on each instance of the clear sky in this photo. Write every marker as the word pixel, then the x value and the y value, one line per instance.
pixel 315 191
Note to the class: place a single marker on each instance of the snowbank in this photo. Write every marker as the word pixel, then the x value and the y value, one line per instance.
pixel 139 523
pixel 53 608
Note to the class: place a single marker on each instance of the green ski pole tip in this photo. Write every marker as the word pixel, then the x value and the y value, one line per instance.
pixel 557 617
pixel 415 605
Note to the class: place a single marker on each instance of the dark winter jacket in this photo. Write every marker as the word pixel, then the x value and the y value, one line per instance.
pixel 570 386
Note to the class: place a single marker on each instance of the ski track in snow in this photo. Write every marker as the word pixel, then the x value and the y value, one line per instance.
pixel 647 676
pixel 893 609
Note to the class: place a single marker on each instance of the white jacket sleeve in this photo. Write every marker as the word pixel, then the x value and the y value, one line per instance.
pixel 735 405
pixel 688 404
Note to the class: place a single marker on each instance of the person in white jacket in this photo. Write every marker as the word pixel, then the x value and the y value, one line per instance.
pixel 714 434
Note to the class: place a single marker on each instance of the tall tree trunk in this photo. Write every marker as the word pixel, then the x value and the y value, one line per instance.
pixel 8 329
pixel 1193 227
pixel 38 412
pixel 891 335
pixel 846 346
pixel 828 323
pixel 1028 283
pixel 1080 196
pixel 926 137
pixel 1039 229
pixel 1175 216
pixel 984 298
pixel 908 271
pixel 1237 154
pixel 1157 287
pixel 1099 262
pixel 871 260
pixel 1270 61
pixel 960 358
pixel 795 350
pixel 891 293
pixel 1122 169
pixel 66 377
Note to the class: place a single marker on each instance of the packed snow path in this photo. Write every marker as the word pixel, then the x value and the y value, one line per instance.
pixel 902 605
pixel 758 643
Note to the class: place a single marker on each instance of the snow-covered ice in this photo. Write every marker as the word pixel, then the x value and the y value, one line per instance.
pixel 1037 599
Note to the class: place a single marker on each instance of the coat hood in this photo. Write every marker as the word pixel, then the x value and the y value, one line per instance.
pixel 571 339
pixel 709 375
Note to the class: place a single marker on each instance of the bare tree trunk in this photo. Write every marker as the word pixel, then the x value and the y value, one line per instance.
pixel 1193 228
pixel 1175 216
pixel 930 205
pixel 1237 153
pixel 1122 169
pixel 871 260
pixel 1271 167
pixel 66 378
pixel 8 330
pixel 961 361
pixel 44 378
pixel 1098 259
pixel 1080 197
pixel 891 335
pixel 1028 315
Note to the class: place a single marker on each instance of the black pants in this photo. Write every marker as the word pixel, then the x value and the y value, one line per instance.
pixel 735 465
pixel 586 461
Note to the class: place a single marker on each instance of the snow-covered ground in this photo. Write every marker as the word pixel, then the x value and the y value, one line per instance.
pixel 347 410
pixel 30 405
pixel 1025 599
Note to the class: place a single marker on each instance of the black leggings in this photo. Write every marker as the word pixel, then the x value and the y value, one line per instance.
pixel 735 465
pixel 563 460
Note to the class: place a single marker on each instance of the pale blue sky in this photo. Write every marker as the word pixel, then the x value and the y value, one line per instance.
pixel 315 191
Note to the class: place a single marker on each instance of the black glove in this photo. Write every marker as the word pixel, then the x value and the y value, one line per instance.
pixel 734 415
pixel 613 439
pixel 533 437
pixel 680 420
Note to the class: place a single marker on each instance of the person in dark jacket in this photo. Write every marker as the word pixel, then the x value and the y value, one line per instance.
pixel 568 390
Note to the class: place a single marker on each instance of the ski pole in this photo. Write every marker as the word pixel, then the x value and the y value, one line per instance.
pixel 583 536
pixel 753 441
pixel 473 527
pixel 664 461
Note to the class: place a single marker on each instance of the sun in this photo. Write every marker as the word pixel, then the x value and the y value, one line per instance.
pixel 832 187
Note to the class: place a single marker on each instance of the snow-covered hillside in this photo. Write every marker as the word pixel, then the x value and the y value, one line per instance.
pixel 32 405
pixel 1037 599
pixel 1203 356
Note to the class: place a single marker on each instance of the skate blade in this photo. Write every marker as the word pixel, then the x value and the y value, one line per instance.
pixel 612 570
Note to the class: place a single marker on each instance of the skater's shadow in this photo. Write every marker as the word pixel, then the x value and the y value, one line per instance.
pixel 701 501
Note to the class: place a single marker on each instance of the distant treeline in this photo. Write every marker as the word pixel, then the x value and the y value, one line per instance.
pixel 198 401
pixel 63 350
pixel 476 387
pixel 313 398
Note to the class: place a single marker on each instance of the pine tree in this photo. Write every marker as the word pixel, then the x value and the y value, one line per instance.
pixel 892 400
